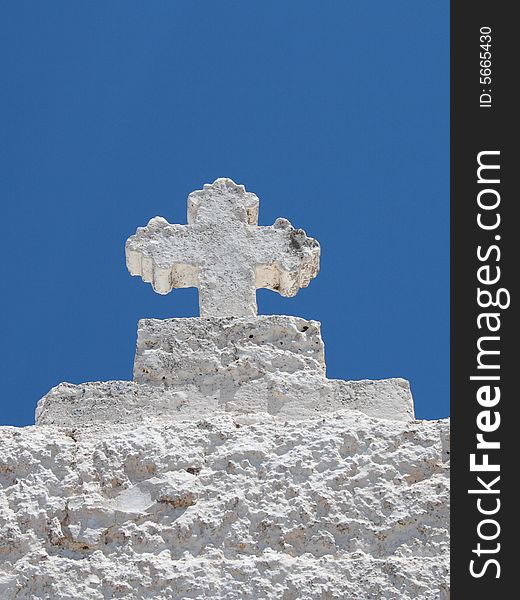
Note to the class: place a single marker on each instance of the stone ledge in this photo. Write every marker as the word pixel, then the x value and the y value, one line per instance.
pixel 287 397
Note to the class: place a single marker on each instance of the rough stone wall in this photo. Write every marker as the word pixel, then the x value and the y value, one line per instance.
pixel 337 507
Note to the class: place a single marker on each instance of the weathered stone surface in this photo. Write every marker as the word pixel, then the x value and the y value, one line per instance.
pixel 230 507
pixel 223 252
pixel 196 367
pixel 211 352
pixel 286 397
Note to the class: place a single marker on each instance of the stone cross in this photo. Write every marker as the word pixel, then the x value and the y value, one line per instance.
pixel 223 252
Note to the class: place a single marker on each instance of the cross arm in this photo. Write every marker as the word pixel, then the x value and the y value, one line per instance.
pixel 287 259
pixel 159 253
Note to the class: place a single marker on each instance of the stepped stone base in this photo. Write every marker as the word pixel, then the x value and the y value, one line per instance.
pixel 191 368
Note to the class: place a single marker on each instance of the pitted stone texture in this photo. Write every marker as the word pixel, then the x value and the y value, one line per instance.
pixel 284 396
pixel 212 353
pixel 337 507
pixel 109 402
pixel 223 252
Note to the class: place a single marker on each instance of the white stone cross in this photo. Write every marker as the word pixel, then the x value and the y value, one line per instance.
pixel 223 252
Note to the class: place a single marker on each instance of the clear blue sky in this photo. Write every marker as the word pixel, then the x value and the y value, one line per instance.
pixel 335 113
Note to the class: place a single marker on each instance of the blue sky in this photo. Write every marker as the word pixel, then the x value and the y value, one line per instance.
pixel 336 114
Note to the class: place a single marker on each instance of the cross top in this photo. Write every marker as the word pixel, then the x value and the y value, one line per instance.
pixel 223 252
